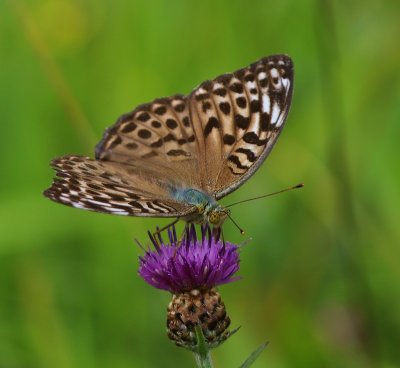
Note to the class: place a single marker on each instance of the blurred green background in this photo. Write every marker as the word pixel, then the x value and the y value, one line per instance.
pixel 320 279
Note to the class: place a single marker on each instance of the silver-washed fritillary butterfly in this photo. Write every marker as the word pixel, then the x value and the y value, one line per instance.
pixel 176 156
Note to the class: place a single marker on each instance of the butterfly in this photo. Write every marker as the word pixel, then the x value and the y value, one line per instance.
pixel 177 156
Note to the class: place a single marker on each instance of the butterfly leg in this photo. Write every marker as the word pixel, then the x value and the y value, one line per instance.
pixel 180 240
pixel 157 233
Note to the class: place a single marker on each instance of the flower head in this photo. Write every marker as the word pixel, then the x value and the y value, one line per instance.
pixel 189 264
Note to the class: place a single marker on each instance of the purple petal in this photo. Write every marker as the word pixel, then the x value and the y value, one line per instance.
pixel 194 264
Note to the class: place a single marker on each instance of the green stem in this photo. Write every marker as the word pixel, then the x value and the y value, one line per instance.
pixel 202 355
pixel 203 361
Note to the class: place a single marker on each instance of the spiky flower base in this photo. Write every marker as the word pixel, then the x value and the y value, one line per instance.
pixel 203 308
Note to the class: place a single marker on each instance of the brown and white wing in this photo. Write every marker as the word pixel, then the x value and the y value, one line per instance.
pixel 237 119
pixel 215 138
pixel 212 140
pixel 112 188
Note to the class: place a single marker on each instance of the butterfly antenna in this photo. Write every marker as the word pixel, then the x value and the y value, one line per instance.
pixel 235 223
pixel 267 195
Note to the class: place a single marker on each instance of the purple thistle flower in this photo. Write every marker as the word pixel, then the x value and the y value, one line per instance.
pixel 190 264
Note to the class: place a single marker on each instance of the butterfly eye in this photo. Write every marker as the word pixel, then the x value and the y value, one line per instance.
pixel 214 218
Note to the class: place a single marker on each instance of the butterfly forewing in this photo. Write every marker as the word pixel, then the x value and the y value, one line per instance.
pixel 241 115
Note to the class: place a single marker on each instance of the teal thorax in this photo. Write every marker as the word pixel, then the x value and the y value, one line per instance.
pixel 208 209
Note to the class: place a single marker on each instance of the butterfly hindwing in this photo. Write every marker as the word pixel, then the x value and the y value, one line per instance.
pixel 111 188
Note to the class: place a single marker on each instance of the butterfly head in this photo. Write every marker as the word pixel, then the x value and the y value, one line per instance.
pixel 217 215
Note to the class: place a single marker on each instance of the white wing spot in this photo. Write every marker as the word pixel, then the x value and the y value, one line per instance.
pixel 281 120
pixel 286 83
pixel 201 91
pixel 266 103
pixel 251 85
pixel 121 204
pixel 262 75
pixel 275 113
pixel 102 204
pixel 274 73
pixel 117 211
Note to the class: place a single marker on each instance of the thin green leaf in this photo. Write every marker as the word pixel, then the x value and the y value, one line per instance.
pixel 231 333
pixel 254 355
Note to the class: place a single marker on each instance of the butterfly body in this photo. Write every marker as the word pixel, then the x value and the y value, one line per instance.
pixel 178 156
pixel 208 210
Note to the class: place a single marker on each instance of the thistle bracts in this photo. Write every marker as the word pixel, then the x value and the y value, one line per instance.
pixel 197 308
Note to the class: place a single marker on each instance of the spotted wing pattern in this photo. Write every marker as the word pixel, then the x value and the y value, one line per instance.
pixel 239 117
pixel 159 135
pixel 112 188
pixel 213 140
